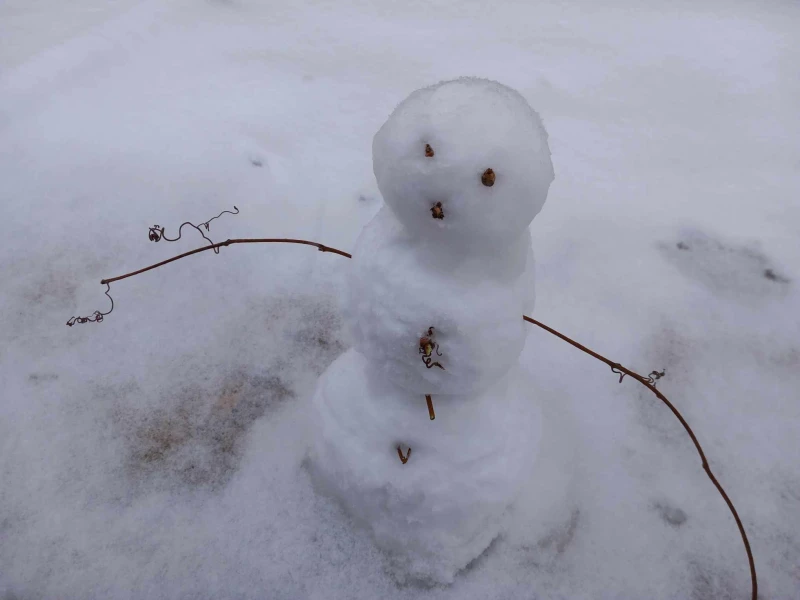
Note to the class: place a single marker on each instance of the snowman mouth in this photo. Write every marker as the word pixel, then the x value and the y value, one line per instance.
pixel 437 212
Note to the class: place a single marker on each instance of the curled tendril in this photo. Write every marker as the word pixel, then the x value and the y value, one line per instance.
pixel 652 379
pixel 156 232
pixel 427 346
pixel 97 316
pixel 655 376
pixel 430 364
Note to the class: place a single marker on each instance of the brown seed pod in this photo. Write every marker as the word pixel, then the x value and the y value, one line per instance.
pixel 487 178
pixel 428 151
pixel 426 341
pixel 427 346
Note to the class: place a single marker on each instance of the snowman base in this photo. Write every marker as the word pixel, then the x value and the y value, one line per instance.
pixel 438 511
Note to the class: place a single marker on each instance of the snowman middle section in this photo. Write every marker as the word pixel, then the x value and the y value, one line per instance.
pixel 468 304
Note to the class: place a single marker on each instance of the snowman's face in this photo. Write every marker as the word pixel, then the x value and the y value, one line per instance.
pixel 465 162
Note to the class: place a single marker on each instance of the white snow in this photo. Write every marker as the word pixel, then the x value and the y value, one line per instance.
pixel 435 311
pixel 400 286
pixel 443 508
pixel 434 149
pixel 160 454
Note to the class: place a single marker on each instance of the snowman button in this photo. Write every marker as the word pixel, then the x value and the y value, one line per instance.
pixel 487 178
pixel 428 151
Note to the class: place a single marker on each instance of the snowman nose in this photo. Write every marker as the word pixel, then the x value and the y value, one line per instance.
pixel 436 211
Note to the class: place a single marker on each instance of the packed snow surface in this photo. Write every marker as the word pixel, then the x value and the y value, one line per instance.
pixel 161 453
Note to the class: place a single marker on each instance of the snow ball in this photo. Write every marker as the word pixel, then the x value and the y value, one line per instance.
pixel 441 510
pixel 464 162
pixel 400 287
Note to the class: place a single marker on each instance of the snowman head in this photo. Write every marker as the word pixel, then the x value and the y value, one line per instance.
pixel 464 162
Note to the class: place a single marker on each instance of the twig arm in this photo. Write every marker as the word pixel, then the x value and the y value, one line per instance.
pixel 321 247
pixel 648 383
pixel 97 317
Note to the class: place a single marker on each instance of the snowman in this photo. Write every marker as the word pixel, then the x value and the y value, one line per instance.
pixel 426 428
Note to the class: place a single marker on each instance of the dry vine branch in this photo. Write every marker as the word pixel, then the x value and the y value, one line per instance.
pixel 322 248
pixel 649 383
pixel 97 317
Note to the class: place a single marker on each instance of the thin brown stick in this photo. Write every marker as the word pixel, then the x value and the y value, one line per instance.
pixel 647 382
pixel 431 414
pixel 403 459
pixel 321 247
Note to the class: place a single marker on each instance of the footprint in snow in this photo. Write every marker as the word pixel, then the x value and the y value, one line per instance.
pixel 729 269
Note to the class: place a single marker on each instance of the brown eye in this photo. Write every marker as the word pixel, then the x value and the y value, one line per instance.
pixel 487 178
pixel 428 150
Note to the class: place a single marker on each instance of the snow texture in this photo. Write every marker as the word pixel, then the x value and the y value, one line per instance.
pixel 160 454
pixel 400 286
pixel 435 148
pixel 442 509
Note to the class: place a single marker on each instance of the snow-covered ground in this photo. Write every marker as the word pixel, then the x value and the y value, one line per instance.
pixel 160 454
